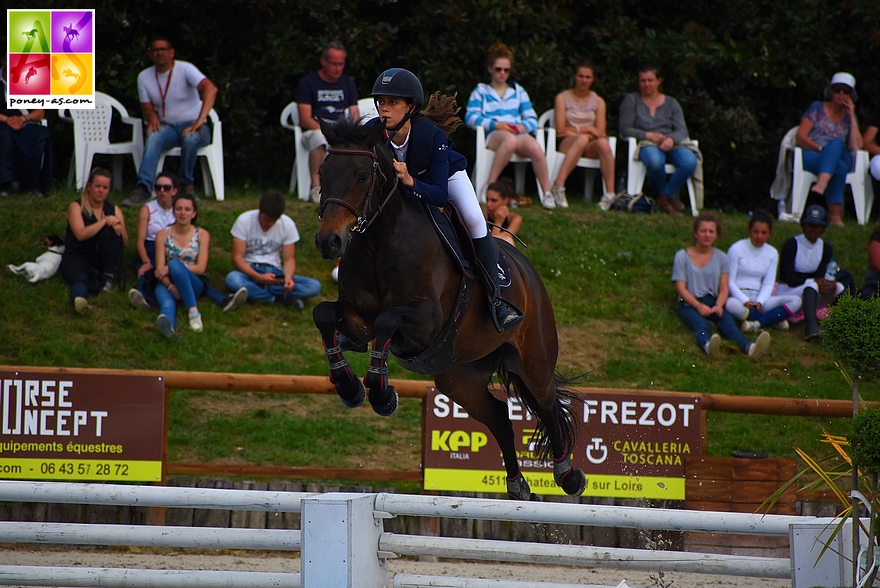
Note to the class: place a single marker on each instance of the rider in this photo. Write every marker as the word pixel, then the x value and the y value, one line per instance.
pixel 431 171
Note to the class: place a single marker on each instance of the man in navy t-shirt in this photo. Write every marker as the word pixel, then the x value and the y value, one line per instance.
pixel 325 94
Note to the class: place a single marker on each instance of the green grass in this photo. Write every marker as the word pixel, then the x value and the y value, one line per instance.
pixel 607 273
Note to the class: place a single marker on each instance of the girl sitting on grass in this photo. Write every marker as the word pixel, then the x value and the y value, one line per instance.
pixel 700 274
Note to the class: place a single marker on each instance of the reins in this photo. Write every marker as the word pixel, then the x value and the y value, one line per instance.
pixel 364 218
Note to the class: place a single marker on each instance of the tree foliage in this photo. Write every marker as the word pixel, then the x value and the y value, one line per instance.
pixel 865 440
pixel 744 71
pixel 851 331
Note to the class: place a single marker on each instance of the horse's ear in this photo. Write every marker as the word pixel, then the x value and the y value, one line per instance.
pixel 375 136
pixel 329 130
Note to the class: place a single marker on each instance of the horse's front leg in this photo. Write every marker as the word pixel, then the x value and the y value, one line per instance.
pixel 383 397
pixel 350 389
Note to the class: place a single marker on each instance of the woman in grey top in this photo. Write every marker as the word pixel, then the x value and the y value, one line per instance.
pixel 699 273
pixel 657 122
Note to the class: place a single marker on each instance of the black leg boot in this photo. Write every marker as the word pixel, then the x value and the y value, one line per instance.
pixel 504 315
pixel 811 323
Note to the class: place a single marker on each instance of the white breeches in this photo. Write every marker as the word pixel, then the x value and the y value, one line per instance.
pixel 792 302
pixel 462 195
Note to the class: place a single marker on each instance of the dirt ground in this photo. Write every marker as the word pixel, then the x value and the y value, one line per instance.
pixel 272 562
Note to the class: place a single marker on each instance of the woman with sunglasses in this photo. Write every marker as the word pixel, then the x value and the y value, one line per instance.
pixel 504 109
pixel 828 133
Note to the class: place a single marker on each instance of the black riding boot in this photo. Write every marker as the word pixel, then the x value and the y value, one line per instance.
pixel 504 315
pixel 811 324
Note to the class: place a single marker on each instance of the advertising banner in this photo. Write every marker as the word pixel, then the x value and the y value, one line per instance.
pixel 81 427
pixel 630 445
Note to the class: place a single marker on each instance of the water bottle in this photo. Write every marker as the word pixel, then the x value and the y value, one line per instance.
pixel 831 271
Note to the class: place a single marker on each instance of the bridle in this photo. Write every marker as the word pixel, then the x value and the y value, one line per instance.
pixel 365 216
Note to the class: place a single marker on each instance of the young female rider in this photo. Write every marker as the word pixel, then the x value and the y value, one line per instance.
pixel 432 172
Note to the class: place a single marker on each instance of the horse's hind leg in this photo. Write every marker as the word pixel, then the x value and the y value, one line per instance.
pixel 348 386
pixel 468 386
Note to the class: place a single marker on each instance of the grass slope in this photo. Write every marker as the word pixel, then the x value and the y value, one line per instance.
pixel 607 273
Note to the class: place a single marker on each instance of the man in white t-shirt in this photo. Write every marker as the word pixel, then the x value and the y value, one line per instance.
pixel 263 255
pixel 176 99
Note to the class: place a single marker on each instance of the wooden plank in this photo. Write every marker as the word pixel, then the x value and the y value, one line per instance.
pixel 709 490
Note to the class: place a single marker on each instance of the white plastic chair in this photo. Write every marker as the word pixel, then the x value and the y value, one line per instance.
pixel 300 173
pixel 367 109
pixel 636 172
pixel 485 157
pixel 211 158
pixel 555 158
pixel 91 136
pixel 859 180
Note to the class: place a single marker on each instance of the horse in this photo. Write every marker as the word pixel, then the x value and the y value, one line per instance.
pixel 398 287
pixel 70 32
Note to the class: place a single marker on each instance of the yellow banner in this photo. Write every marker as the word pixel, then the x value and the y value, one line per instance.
pixel 80 470
pixel 606 485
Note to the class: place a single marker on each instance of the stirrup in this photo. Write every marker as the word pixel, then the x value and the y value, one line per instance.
pixel 505 314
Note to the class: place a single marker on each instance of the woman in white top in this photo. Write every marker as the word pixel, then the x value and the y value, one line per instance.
pixel 752 279
pixel 153 216
pixel 580 131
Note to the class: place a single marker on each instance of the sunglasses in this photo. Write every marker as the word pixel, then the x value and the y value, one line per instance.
pixel 841 88
pixel 502 69
pixel 164 187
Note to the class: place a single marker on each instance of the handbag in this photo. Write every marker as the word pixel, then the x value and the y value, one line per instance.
pixel 638 203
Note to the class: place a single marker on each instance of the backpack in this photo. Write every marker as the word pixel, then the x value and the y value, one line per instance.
pixel 639 203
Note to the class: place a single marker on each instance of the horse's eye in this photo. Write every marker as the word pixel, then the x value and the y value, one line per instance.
pixel 363 178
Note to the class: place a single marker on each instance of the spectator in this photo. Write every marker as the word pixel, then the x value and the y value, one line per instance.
pixel 154 216
pixel 181 263
pixel 264 256
pixel 505 223
pixel 325 94
pixel 872 278
pixel 25 148
pixel 580 132
pixel 504 109
pixel 804 260
pixel 752 280
pixel 828 133
pixel 94 241
pixel 700 275
pixel 657 122
pixel 869 144
pixel 176 99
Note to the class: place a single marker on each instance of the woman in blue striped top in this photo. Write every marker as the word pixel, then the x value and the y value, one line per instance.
pixel 504 109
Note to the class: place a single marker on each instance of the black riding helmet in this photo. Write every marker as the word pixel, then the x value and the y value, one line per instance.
pixel 401 83
pixel 815 215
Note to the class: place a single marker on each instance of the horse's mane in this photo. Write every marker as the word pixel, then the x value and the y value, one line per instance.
pixel 350 131
pixel 441 110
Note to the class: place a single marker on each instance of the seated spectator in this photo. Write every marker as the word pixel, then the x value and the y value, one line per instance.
pixel 264 256
pixel 657 122
pixel 869 144
pixel 324 94
pixel 828 133
pixel 25 148
pixel 154 216
pixel 804 261
pixel 506 223
pixel 700 275
pixel 580 132
pixel 504 109
pixel 872 278
pixel 752 280
pixel 94 241
pixel 181 263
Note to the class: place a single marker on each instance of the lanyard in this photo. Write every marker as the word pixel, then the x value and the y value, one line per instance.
pixel 167 83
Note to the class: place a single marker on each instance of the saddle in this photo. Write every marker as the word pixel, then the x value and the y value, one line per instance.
pixel 439 357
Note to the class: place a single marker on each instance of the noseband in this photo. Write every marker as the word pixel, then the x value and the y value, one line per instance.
pixel 366 215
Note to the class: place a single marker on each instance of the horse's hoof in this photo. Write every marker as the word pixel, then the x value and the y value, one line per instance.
pixel 384 403
pixel 351 392
pixel 572 481
pixel 519 489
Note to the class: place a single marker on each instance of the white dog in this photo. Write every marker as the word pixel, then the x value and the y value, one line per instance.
pixel 45 265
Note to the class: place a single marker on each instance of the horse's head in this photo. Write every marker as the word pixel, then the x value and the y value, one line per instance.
pixel 352 179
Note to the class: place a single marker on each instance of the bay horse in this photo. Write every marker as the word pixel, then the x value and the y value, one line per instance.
pixel 398 287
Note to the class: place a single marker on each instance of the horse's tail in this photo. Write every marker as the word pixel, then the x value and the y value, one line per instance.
pixel 565 411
